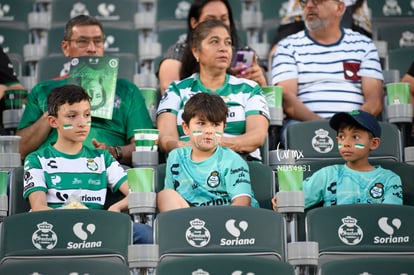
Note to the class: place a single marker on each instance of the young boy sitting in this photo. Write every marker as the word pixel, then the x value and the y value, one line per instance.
pixel 356 181
pixel 67 174
pixel 205 173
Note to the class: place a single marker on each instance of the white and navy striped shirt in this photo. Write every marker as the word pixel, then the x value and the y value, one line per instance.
pixel 329 76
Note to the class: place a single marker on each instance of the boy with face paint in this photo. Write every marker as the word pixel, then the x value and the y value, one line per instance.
pixel 205 173
pixel 356 181
pixel 67 174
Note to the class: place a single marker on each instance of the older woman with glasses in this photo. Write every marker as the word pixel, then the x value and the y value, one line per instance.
pixel 247 119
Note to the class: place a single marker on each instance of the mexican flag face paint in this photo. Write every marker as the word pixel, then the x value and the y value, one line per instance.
pixel 339 145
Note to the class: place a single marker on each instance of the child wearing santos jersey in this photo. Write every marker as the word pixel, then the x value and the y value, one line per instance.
pixel 356 181
pixel 67 171
pixel 205 173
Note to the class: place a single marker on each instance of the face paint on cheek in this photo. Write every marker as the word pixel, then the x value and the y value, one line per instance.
pixel 219 134
pixel 89 122
pixel 359 146
pixel 197 133
pixel 67 126
pixel 339 145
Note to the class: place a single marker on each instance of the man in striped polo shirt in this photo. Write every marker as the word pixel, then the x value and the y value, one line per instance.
pixel 326 69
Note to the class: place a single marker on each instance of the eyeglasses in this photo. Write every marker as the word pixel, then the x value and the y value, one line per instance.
pixel 315 2
pixel 83 42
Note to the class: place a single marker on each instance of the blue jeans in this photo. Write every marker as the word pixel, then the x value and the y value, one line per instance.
pixel 142 234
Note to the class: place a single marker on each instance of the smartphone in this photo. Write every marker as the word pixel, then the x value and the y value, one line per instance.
pixel 243 58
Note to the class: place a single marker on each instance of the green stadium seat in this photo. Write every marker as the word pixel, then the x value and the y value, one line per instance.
pixel 13 39
pixel 66 233
pixel 119 13
pixel 224 264
pixel 172 12
pixel 168 37
pixel 372 265
pixel 220 230
pixel 397 35
pixel 14 13
pixel 401 59
pixel 64 266
pixel 361 230
pixel 381 9
pixel 316 140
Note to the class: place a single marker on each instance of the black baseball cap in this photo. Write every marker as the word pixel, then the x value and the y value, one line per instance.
pixel 362 118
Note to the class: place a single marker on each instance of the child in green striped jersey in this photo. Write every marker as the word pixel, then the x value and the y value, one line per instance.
pixel 356 181
pixel 68 174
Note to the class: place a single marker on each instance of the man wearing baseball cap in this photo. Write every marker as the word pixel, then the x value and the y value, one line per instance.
pixel 356 181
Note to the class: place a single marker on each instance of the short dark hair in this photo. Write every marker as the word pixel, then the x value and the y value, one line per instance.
pixel 80 20
pixel 206 106
pixel 65 94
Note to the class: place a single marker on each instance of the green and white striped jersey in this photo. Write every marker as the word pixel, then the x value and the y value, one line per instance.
pixel 85 176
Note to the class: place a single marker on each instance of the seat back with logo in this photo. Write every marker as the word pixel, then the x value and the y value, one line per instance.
pixel 372 265
pixel 109 13
pixel 262 179
pixel 316 140
pixel 224 264
pixel 64 266
pixel 73 233
pixel 220 230
pixel 361 230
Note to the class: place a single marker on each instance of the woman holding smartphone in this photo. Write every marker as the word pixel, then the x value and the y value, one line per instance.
pixel 178 62
pixel 248 117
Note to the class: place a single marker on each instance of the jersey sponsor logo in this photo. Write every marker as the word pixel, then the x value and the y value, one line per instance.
pixel 220 201
pixel 390 227
pixel 197 235
pixel 377 191
pixel 44 237
pixel 27 181
pixel 62 196
pixel 52 164
pixel 322 142
pixel 92 165
pixel 214 179
pixel 174 168
pixel 87 198
pixel 349 232
pixel 83 232
pixel 55 179
pixel 236 230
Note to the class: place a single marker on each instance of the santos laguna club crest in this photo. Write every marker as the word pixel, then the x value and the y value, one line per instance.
pixel 44 237
pixel 322 142
pixel 349 232
pixel 197 235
